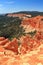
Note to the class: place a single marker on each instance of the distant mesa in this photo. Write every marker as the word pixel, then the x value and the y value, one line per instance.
pixel 25 14
pixel 19 15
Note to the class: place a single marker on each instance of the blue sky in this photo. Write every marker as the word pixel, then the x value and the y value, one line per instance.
pixel 8 6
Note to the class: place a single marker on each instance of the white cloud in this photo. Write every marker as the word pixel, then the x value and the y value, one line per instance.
pixel 9 2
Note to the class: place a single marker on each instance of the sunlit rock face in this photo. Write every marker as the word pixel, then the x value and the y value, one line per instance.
pixel 30 52
pixel 34 23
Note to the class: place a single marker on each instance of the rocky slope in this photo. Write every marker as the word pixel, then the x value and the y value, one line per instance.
pixel 34 23
pixel 30 51
pixel 26 50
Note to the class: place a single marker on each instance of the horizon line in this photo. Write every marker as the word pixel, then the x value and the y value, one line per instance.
pixel 21 11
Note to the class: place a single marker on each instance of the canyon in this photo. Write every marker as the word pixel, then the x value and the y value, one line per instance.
pixel 26 49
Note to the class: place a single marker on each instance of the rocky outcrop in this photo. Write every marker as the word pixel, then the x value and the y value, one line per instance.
pixel 34 23
pixel 8 57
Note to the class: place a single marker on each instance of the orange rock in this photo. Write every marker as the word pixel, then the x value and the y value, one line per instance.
pixel 4 42
pixel 2 49
pixel 2 38
pixel 13 45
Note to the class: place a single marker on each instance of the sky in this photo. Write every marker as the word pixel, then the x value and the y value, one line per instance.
pixel 9 6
